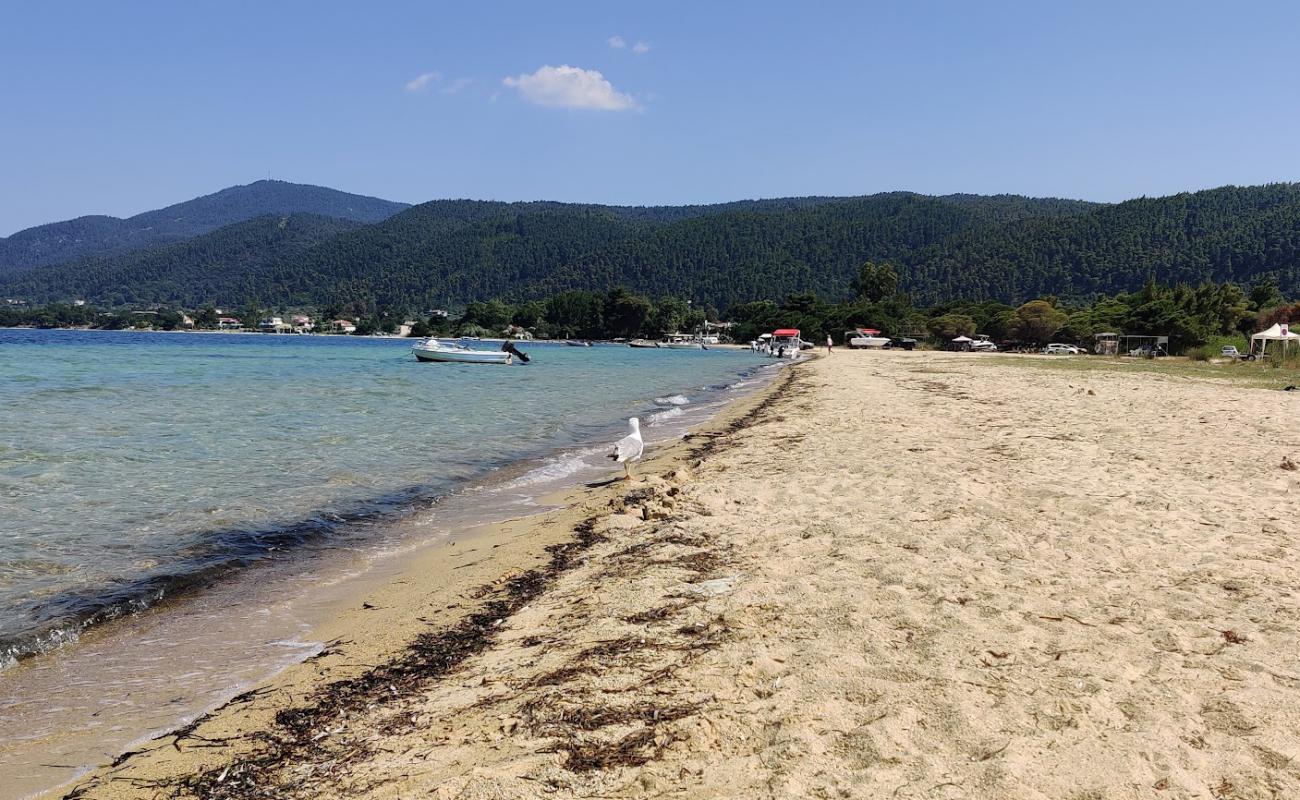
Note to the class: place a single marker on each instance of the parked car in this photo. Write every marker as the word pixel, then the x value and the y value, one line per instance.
pixel 1229 351
pixel 1147 351
pixel 1059 349
pixel 901 343
pixel 983 346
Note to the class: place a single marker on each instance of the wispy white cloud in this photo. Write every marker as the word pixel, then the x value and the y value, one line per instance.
pixel 421 82
pixel 455 86
pixel 570 87
pixel 616 42
pixel 641 48
pixel 429 80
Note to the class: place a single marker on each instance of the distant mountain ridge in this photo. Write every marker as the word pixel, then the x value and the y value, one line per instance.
pixel 447 252
pixel 956 247
pixel 239 260
pixel 93 236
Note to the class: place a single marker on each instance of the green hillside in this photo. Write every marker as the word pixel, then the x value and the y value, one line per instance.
pixel 246 260
pixel 98 236
pixel 1232 234
pixel 450 252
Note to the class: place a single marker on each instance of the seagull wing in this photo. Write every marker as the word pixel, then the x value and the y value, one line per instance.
pixel 628 448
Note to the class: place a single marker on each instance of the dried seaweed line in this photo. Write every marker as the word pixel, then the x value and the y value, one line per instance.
pixel 295 738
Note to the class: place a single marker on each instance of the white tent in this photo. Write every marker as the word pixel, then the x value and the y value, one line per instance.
pixel 961 339
pixel 1277 333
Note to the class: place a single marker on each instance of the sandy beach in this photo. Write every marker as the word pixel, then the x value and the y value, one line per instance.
pixel 895 575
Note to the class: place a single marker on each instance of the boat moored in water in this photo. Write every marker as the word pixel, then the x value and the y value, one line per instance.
pixel 681 341
pixel 434 350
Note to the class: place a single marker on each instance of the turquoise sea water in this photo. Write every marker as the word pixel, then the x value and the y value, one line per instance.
pixel 134 464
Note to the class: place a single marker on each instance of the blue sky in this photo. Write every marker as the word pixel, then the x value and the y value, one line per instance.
pixel 118 108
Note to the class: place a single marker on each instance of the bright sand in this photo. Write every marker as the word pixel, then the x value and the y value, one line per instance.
pixel 906 575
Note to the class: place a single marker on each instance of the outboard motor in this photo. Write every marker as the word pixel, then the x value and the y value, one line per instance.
pixel 510 348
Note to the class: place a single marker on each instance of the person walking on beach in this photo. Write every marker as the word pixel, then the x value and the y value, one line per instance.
pixel 829 343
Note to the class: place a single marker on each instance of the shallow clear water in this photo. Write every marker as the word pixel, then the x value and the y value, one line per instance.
pixel 132 464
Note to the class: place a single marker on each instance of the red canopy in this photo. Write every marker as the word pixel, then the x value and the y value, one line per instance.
pixel 786 332
pixel 868 331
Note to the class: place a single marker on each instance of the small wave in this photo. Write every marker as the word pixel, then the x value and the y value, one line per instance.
pixel 556 468
pixel 660 417
pixel 672 400
pixel 59 619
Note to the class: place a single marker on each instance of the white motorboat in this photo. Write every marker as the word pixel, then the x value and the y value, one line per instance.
pixel 865 338
pixel 681 341
pixel 434 350
pixel 785 343
pixel 646 343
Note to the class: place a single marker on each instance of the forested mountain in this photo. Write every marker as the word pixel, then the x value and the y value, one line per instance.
pixel 243 261
pixel 102 236
pixel 1232 234
pixel 754 254
pixel 450 252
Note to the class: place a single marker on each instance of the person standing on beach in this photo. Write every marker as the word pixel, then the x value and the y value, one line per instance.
pixel 829 343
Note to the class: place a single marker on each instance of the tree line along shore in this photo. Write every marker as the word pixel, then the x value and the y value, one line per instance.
pixel 1193 317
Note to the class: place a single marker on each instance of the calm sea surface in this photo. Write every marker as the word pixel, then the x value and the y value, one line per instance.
pixel 133 464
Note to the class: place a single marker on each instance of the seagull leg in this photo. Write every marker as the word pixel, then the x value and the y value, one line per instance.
pixel 627 472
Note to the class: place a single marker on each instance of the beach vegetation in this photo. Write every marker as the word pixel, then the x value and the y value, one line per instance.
pixel 950 326
pixel 1036 322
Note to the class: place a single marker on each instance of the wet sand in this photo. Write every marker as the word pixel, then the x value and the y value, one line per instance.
pixel 908 575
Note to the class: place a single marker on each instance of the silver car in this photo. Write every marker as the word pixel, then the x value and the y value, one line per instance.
pixel 1059 349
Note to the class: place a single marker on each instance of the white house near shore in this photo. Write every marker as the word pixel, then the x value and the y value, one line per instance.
pixel 274 325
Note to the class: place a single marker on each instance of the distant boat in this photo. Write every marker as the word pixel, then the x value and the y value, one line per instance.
pixel 680 341
pixel 642 343
pixel 434 350
pixel 576 343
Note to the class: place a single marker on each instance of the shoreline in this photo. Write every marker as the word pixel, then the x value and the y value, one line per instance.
pixel 386 336
pixel 518 506
pixel 246 547
pixel 1003 581
pixel 391 619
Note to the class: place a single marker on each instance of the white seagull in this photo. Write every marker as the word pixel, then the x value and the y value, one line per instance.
pixel 629 448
